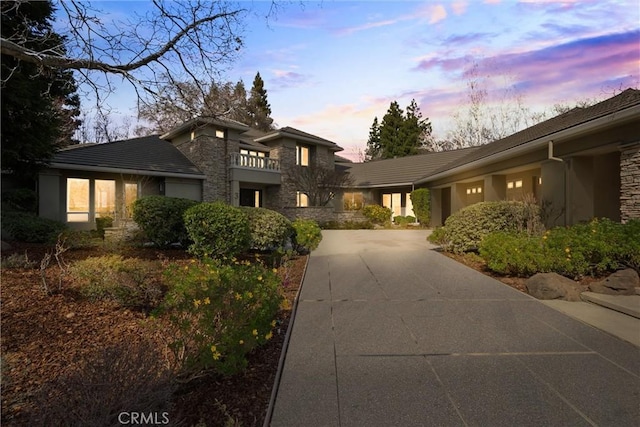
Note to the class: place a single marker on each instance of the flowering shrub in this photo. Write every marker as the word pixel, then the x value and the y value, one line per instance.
pixel 308 234
pixel 377 214
pixel 221 312
pixel 217 230
pixel 269 229
pixel 464 230
pixel 161 218
pixel 583 249
pixel 126 281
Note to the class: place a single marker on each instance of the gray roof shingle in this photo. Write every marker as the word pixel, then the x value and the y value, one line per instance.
pixel 402 170
pixel 146 154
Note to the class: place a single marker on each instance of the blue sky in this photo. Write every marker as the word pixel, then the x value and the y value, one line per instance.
pixel 330 67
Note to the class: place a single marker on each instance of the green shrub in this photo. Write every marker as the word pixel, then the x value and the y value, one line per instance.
pixel 593 248
pixel 464 230
pixel 221 311
pixel 21 200
pixel 26 227
pixel 16 260
pixel 269 229
pixel 130 282
pixel 377 214
pixel 217 230
pixel 162 219
pixel 308 235
pixel 404 220
pixel 421 201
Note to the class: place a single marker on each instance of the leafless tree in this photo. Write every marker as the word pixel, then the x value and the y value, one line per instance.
pixel 319 183
pixel 174 41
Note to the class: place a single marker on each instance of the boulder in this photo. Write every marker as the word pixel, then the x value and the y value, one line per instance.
pixel 547 286
pixel 622 282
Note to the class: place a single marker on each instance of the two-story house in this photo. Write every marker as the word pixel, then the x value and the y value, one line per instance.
pixel 203 159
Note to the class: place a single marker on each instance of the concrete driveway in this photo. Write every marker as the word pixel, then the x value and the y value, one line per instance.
pixel 391 333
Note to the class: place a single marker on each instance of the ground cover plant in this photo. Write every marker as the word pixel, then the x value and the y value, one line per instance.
pixel 589 249
pixel 118 333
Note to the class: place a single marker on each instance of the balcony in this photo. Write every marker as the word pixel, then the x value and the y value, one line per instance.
pixel 254 169
pixel 254 162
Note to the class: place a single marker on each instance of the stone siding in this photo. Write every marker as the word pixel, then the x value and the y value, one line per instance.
pixel 322 214
pixel 211 156
pixel 630 182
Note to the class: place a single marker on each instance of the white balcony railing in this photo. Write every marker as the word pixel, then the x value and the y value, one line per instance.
pixel 254 162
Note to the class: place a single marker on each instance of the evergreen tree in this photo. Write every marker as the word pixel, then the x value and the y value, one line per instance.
pixel 258 106
pixel 399 134
pixel 373 144
pixel 40 108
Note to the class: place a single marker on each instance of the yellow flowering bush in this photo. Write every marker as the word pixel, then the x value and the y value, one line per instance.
pixel 221 312
pixel 308 235
pixel 592 248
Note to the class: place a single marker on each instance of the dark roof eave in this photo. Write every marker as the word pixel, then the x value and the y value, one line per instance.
pixel 91 168
pixel 317 141
pixel 364 186
pixel 194 123
pixel 590 126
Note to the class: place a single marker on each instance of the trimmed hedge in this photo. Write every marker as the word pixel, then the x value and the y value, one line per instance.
pixel 217 230
pixel 269 229
pixel 464 230
pixel 26 227
pixel 421 201
pixel 161 219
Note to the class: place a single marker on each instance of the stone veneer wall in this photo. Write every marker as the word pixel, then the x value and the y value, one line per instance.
pixel 211 156
pixel 322 214
pixel 630 182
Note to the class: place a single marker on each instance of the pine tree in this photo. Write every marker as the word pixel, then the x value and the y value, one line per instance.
pixel 399 134
pixel 373 144
pixel 258 106
pixel 40 108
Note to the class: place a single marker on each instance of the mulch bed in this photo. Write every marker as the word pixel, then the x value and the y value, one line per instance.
pixel 43 336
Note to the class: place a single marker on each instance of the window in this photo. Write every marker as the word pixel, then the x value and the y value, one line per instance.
pixel 130 196
pixel 302 155
pixel 105 197
pixel 249 158
pixel 352 201
pixel 514 184
pixel 90 198
pixel 302 200
pixel 77 200
pixel 474 190
pixel 219 133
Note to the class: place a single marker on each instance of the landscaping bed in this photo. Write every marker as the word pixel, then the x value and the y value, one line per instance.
pixel 46 339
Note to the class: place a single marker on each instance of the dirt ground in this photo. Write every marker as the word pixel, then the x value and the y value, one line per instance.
pixel 47 338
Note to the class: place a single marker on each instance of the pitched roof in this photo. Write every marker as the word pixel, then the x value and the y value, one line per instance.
pixel 575 117
pixel 147 155
pixel 403 170
pixel 299 135
pixel 204 121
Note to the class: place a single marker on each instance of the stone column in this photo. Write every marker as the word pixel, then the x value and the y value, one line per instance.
pixel 630 181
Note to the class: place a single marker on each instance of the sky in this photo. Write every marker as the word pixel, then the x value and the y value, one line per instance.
pixel 330 67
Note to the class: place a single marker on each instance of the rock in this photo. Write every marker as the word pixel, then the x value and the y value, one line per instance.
pixel 4 246
pixel 622 282
pixel 548 286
